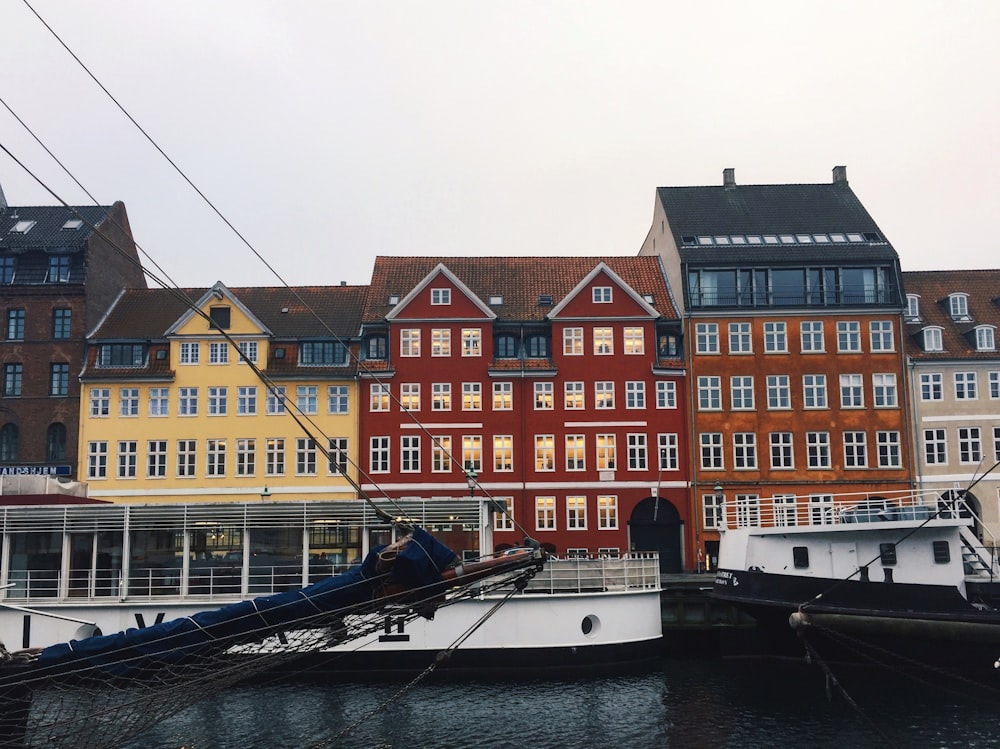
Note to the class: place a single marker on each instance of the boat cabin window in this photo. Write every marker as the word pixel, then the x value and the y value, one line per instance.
pixel 800 556
pixel 887 553
pixel 942 552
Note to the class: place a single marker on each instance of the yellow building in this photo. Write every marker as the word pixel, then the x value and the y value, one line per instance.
pixel 242 394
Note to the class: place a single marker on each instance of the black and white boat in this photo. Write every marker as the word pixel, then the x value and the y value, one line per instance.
pixel 177 632
pixel 867 577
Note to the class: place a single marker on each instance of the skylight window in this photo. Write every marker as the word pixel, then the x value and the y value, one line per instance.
pixel 22 227
pixel 838 237
pixel 770 239
pixel 73 223
pixel 393 299
pixel 722 240
pixel 739 239
pixel 804 238
pixel 496 299
pixel 787 239
pixel 855 237
pixel 821 237
pixel 704 240
pixel 754 239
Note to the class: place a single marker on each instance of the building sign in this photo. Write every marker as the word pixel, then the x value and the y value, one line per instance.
pixel 36 470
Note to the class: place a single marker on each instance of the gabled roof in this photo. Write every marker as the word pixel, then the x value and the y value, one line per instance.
pixel 147 314
pixel 220 293
pixel 598 270
pixel 933 288
pixel 770 209
pixel 48 233
pixel 520 281
pixel 438 271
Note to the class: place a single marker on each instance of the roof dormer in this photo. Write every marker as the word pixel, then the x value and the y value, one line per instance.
pixel 933 338
pixel 958 306
pixel 912 312
pixel 985 337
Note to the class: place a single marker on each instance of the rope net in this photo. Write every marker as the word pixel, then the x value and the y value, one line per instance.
pixel 61 697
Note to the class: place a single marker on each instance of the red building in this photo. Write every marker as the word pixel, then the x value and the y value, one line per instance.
pixel 554 385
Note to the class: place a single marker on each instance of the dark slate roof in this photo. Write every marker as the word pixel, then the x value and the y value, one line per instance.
pixel 146 314
pixel 48 233
pixel 519 280
pixel 770 209
pixel 958 337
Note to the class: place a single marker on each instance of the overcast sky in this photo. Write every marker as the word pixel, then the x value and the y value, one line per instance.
pixel 332 132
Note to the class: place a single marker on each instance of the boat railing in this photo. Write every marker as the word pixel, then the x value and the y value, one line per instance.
pixel 784 511
pixel 637 570
pixel 631 571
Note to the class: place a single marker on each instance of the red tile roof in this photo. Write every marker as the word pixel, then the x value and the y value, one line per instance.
pixel 519 280
pixel 933 288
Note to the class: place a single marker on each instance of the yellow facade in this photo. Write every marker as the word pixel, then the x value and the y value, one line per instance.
pixel 202 425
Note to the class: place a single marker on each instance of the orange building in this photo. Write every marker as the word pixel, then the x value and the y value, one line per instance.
pixel 792 311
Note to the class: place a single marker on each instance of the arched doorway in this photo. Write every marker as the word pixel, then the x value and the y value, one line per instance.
pixel 966 504
pixel 655 525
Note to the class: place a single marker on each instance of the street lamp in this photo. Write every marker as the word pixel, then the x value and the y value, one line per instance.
pixel 265 495
pixel 470 479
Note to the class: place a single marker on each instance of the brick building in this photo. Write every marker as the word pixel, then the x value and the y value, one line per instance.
pixel 791 302
pixel 60 269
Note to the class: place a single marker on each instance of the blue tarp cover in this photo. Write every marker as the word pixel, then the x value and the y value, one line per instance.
pixel 419 564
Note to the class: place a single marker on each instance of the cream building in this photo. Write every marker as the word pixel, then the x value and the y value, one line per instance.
pixel 954 371
pixel 246 394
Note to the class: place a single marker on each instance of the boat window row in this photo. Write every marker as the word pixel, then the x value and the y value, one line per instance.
pixel 941 551
pixel 212 560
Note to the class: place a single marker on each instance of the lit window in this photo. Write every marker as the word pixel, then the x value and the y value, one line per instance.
pixel 604 341
pixel 472 342
pixel 440 342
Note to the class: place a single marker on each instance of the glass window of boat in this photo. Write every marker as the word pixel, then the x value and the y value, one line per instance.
pixel 942 552
pixel 155 562
pixel 333 547
pixel 275 559
pixel 95 563
pixel 800 557
pixel 887 553
pixel 35 562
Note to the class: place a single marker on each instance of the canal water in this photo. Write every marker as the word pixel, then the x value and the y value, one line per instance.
pixel 702 703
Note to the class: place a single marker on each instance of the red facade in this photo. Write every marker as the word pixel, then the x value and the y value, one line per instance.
pixel 556 381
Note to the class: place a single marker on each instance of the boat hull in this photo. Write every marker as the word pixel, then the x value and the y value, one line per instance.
pixel 530 631
pixel 853 620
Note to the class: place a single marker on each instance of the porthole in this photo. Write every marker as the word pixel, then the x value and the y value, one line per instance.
pixel 590 625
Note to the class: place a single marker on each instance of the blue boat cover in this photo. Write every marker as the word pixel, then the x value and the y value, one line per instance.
pixel 417 565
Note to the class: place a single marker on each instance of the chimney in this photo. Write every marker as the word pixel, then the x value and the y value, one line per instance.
pixel 840 175
pixel 729 178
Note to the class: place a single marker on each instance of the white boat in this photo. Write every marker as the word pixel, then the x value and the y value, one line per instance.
pixel 867 577
pixel 70 572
